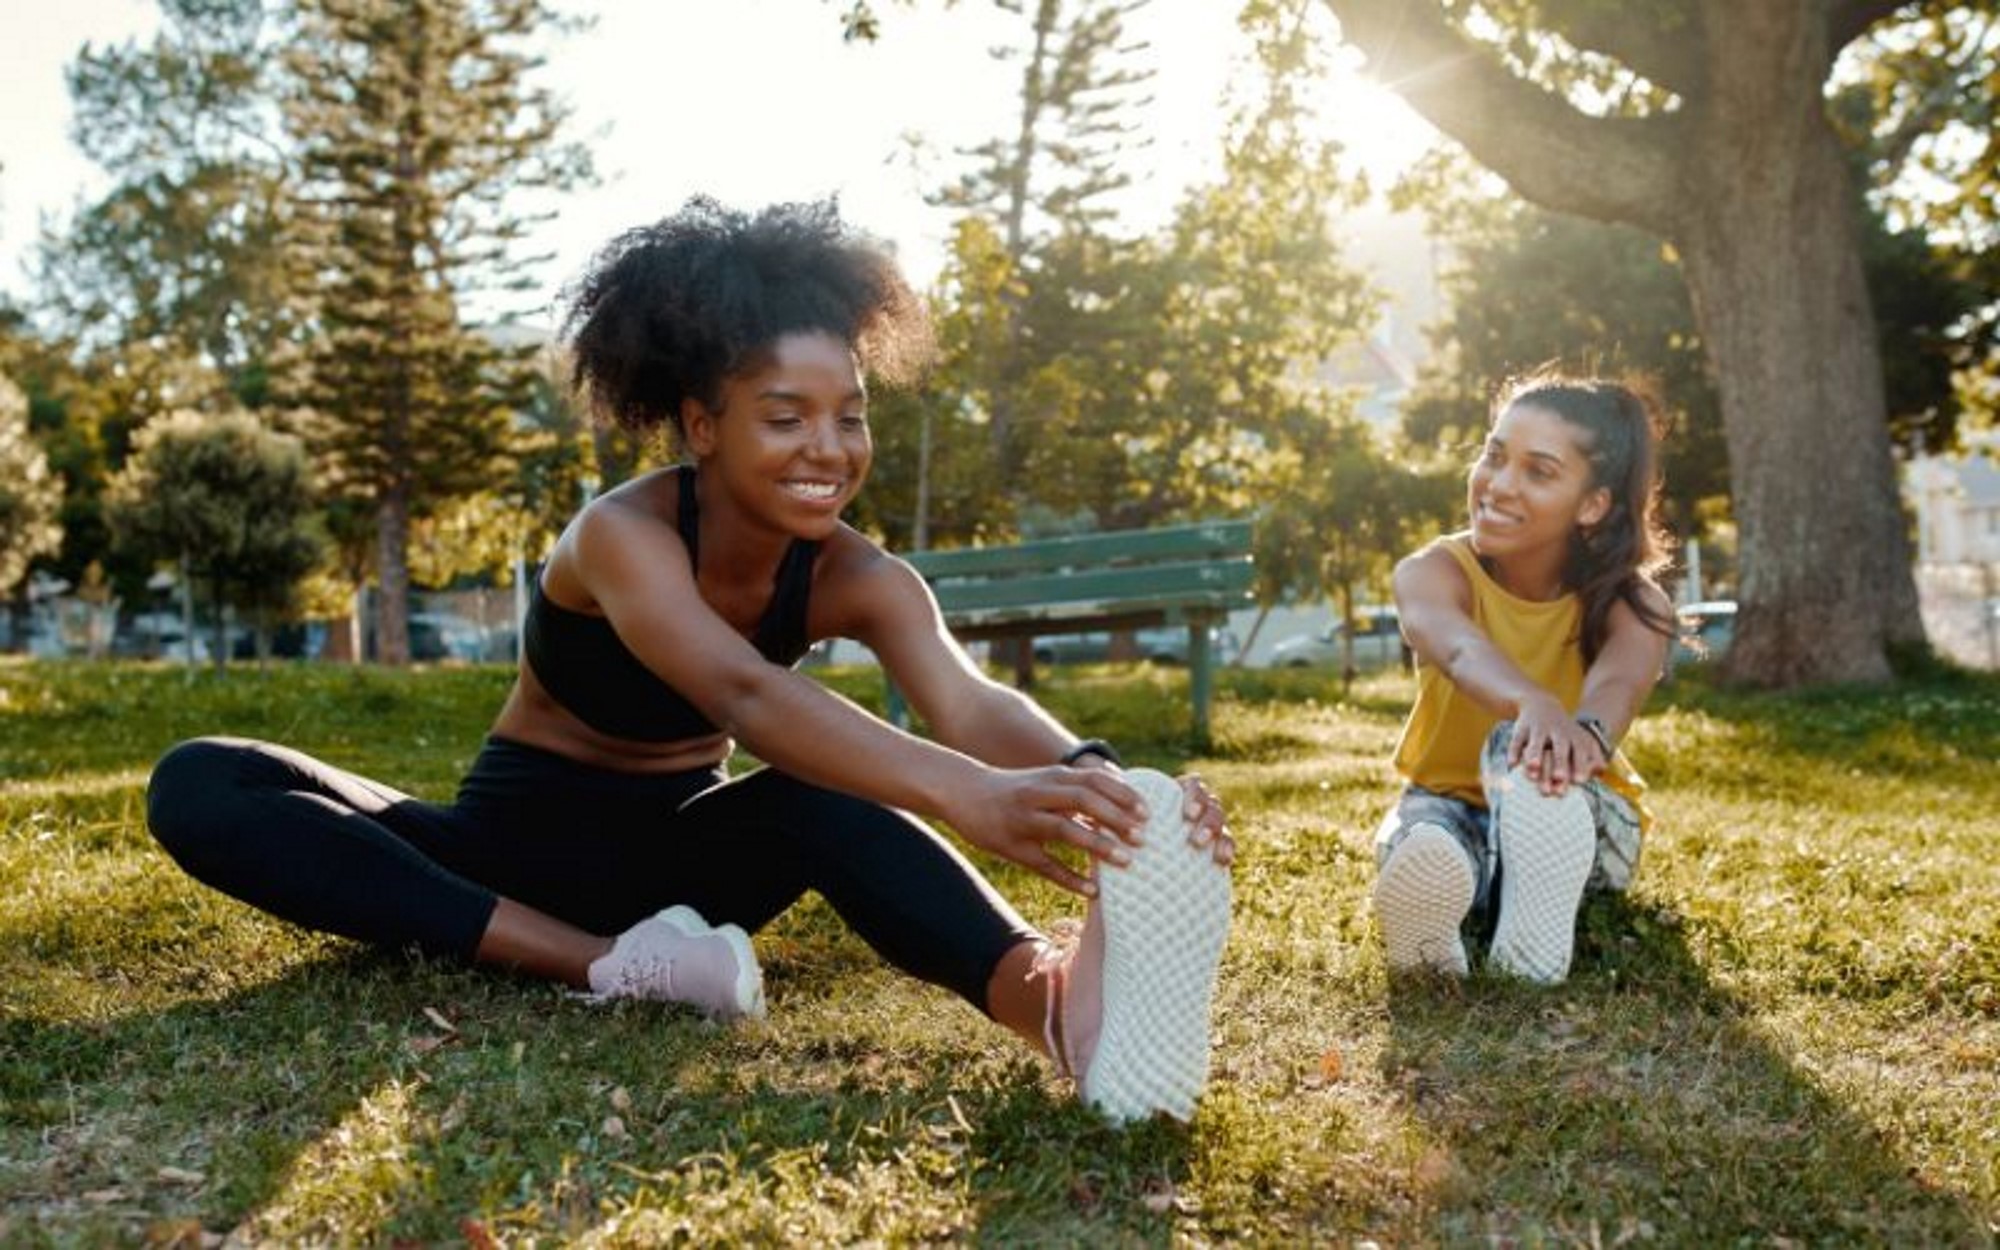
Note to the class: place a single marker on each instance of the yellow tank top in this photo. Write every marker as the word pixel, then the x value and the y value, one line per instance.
pixel 1446 730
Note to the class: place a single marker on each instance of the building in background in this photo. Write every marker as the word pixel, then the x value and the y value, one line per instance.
pixel 1956 500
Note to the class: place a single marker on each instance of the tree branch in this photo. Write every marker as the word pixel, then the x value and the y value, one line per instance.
pixel 1618 170
pixel 1660 42
pixel 1847 20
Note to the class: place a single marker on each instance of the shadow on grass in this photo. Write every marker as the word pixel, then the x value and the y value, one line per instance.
pixel 1640 1100
pixel 330 1104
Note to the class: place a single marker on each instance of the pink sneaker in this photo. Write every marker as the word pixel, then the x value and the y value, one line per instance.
pixel 676 957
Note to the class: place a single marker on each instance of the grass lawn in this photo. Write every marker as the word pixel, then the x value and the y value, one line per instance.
pixel 1788 1034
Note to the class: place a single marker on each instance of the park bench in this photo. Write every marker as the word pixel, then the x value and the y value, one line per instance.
pixel 1190 575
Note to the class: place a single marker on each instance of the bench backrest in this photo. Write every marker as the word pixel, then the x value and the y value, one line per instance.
pixel 1173 570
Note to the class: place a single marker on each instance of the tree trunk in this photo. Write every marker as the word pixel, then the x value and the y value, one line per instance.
pixel 217 589
pixel 187 610
pixel 1770 240
pixel 392 606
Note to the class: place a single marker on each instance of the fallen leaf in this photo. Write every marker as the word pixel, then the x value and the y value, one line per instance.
pixel 180 1176
pixel 426 1044
pixel 614 1127
pixel 476 1235
pixel 1084 1194
pixel 620 1099
pixel 437 1017
pixel 180 1235
pixel 1331 1064
pixel 1158 1198
pixel 113 1194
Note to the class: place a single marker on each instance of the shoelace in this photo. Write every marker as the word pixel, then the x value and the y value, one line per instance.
pixel 635 976
pixel 1052 964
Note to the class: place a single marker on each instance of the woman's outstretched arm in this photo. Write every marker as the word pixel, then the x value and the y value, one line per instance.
pixel 639 575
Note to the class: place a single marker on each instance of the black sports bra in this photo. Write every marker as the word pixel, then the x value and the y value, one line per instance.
pixel 580 660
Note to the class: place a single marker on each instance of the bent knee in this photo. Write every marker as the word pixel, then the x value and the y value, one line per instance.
pixel 188 785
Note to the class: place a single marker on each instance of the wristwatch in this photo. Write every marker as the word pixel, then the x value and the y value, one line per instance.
pixel 1093 746
pixel 1595 728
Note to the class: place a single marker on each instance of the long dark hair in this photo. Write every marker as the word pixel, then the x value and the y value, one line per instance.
pixel 1619 557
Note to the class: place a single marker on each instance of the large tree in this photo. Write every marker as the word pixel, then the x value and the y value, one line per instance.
pixel 420 127
pixel 1711 131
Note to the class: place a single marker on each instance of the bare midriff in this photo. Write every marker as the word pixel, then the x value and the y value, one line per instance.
pixel 532 716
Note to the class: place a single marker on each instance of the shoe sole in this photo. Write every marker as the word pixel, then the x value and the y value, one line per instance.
pixel 1421 897
pixel 1546 846
pixel 1166 917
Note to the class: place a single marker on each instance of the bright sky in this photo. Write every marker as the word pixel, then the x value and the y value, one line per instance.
pixel 751 101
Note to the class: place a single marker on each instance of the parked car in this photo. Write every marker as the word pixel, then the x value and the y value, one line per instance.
pixel 446 636
pixel 1378 643
pixel 1159 644
pixel 1706 629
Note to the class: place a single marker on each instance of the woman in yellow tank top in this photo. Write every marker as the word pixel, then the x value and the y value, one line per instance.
pixel 1538 632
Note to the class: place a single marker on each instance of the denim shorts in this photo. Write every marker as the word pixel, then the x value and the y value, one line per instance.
pixel 1618 839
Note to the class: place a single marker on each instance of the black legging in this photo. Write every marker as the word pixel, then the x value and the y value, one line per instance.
pixel 600 849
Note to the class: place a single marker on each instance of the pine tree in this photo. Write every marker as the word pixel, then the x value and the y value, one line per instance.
pixel 419 126
pixel 1072 146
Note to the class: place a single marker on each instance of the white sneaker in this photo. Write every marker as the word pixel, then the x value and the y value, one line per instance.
pixel 1422 893
pixel 1546 846
pixel 677 957
pixel 1166 916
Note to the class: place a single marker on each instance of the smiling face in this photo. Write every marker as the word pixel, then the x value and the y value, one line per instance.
pixel 789 444
pixel 1530 489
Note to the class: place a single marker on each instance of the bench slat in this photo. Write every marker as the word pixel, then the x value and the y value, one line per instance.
pixel 1176 542
pixel 1215 583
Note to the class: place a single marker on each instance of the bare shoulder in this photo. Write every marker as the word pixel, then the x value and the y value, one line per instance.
pixel 1656 599
pixel 1623 617
pixel 648 500
pixel 1430 577
pixel 858 585
pixel 617 536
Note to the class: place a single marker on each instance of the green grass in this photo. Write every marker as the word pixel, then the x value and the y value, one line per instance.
pixel 1789 1033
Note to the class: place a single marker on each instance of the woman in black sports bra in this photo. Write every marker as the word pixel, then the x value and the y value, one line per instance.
pixel 597 840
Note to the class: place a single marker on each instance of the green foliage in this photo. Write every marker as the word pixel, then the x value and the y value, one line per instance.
pixel 1343 509
pixel 1789 1032
pixel 178 270
pixel 30 496
pixel 1934 81
pixel 1131 381
pixel 228 498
